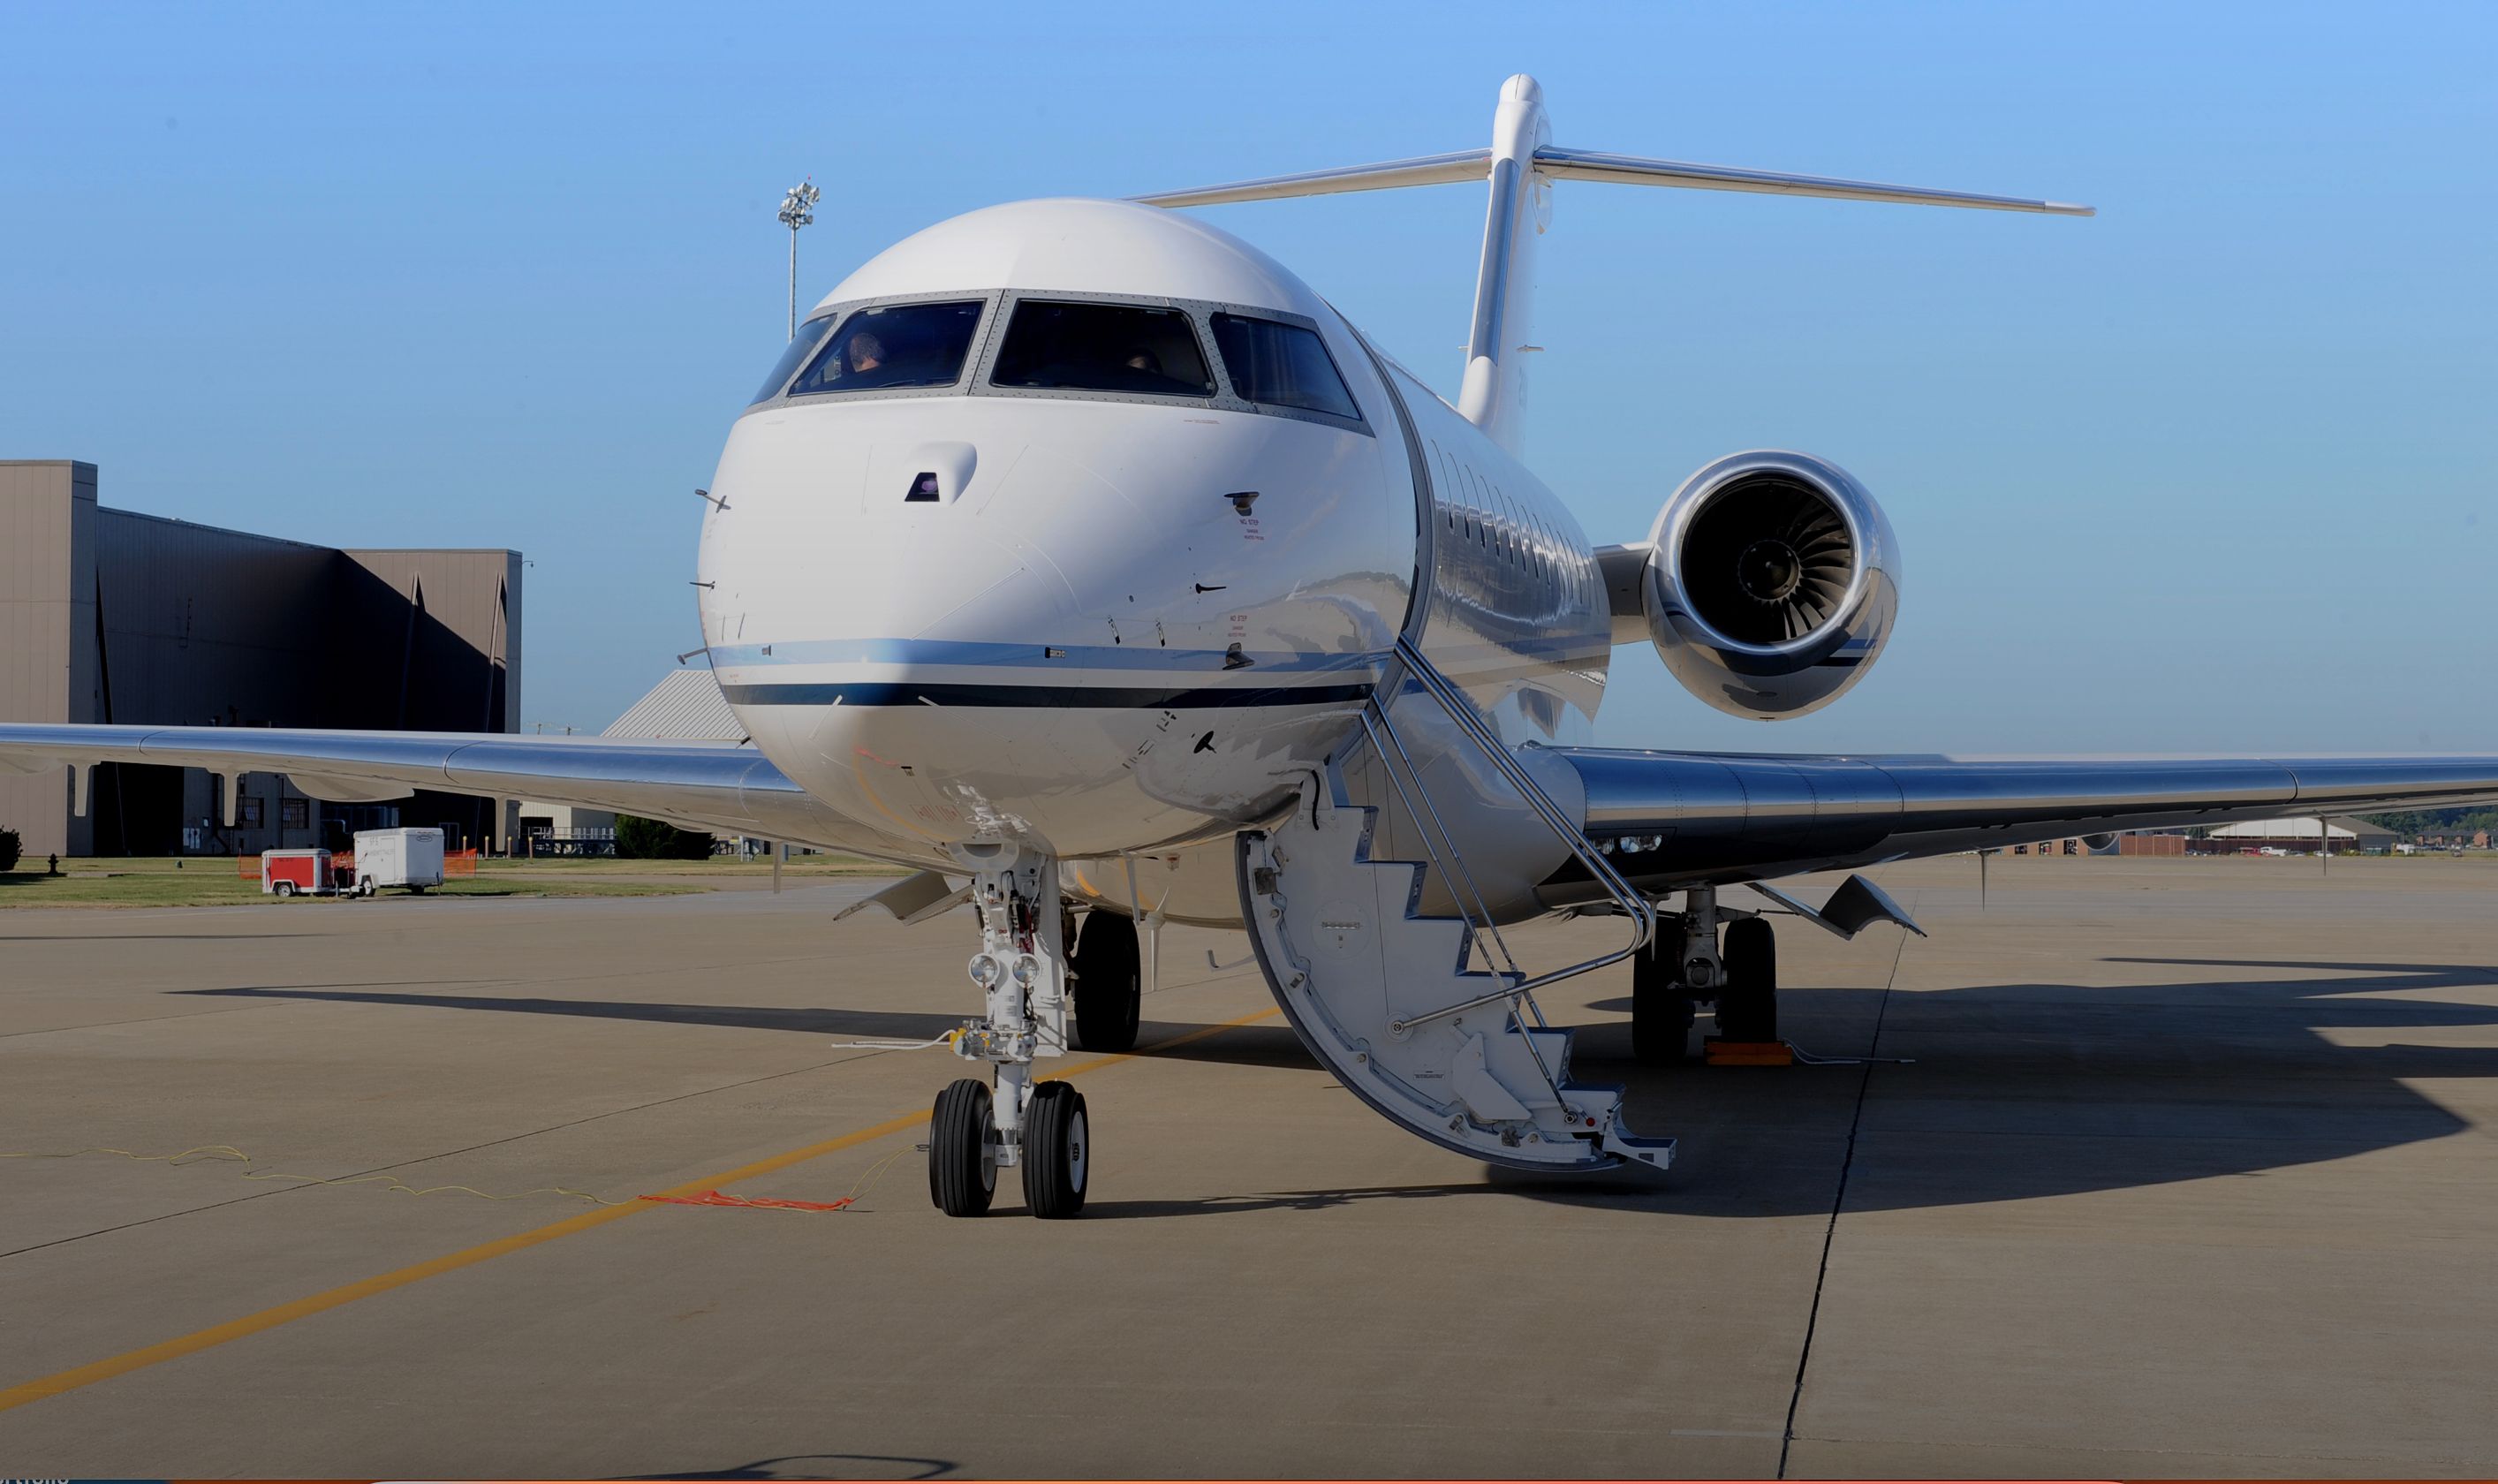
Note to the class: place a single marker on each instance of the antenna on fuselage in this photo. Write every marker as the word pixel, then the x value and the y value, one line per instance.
pixel 1521 166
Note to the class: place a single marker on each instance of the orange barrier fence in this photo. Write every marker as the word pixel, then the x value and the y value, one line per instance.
pixel 456 865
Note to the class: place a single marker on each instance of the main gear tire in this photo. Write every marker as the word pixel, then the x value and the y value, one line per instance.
pixel 1109 993
pixel 1747 1006
pixel 1661 1008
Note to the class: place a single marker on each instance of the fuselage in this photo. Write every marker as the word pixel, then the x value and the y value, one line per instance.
pixel 1088 525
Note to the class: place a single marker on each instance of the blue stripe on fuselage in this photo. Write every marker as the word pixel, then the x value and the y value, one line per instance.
pixel 879 692
pixel 1093 657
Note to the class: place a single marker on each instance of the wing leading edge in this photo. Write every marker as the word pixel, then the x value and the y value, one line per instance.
pixel 1727 816
pixel 714 786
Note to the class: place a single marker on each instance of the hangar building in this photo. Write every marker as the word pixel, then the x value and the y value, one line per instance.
pixel 110 616
pixel 2298 836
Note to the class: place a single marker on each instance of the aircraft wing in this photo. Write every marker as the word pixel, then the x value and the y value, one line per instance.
pixel 722 787
pixel 1727 817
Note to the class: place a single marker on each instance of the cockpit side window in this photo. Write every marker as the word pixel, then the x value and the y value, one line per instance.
pixel 1281 366
pixel 1129 349
pixel 799 346
pixel 893 346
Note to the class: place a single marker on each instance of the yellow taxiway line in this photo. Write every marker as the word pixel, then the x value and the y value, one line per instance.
pixel 469 1257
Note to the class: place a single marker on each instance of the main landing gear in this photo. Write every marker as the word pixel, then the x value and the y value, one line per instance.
pixel 1686 966
pixel 1109 992
pixel 977 1128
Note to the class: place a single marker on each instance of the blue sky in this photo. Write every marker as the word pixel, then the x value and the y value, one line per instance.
pixel 2209 471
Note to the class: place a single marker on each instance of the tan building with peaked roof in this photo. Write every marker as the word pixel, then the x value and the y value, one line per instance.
pixel 112 616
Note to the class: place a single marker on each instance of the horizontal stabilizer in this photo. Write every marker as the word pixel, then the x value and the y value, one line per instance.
pixel 1561 164
pixel 1631 169
pixel 1429 169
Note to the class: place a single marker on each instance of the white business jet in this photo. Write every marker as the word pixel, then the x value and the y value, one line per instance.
pixel 1083 558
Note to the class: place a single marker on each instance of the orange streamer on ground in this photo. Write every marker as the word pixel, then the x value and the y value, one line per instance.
pixel 722 1198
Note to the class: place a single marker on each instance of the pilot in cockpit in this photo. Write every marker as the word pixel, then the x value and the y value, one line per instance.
pixel 865 353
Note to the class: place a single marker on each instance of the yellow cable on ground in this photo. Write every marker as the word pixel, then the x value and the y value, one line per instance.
pixel 204 1152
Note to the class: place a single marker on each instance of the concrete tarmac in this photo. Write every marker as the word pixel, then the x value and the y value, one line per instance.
pixel 2192 1173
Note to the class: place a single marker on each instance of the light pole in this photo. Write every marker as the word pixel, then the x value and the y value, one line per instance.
pixel 797 210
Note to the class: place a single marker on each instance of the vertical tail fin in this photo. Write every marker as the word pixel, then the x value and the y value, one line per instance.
pixel 1493 397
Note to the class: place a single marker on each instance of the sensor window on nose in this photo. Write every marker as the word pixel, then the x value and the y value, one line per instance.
pixel 923 488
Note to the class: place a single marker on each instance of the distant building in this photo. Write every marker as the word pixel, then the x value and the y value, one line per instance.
pixel 2298 836
pixel 2141 843
pixel 110 616
pixel 2455 839
pixel 685 706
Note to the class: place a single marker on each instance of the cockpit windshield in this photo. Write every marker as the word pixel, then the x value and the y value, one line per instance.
pixel 1120 348
pixel 894 345
pixel 1281 366
pixel 799 346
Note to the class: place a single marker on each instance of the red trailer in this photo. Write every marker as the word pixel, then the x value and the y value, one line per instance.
pixel 290 873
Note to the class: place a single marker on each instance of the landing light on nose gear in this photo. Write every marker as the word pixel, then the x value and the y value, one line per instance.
pixel 1022 969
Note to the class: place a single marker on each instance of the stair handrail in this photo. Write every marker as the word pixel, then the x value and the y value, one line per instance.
pixel 1461 709
pixel 1430 812
pixel 1511 978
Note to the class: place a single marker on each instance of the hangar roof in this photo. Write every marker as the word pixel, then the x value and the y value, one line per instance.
pixel 2344 828
pixel 685 707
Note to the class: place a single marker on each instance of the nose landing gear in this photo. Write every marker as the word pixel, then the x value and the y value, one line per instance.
pixel 1038 1127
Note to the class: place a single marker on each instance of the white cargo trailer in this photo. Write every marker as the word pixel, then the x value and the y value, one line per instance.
pixel 398 857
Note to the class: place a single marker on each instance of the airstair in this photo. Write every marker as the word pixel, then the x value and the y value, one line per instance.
pixel 1421 1013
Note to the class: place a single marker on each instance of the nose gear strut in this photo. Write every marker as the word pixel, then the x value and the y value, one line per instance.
pixel 977 1129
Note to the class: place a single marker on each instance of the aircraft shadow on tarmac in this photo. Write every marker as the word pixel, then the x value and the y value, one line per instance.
pixel 2016 1091
pixel 144 938
pixel 823 1465
pixel 1242 1046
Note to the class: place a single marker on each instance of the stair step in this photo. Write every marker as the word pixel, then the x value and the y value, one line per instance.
pixel 1348 957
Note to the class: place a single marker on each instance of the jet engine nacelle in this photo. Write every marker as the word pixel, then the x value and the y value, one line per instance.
pixel 1771 583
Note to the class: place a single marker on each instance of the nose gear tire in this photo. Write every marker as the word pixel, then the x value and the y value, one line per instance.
pixel 962 1154
pixel 1109 998
pixel 1057 1152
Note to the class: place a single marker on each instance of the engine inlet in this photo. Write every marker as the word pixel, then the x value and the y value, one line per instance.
pixel 1768 561
pixel 1769 582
